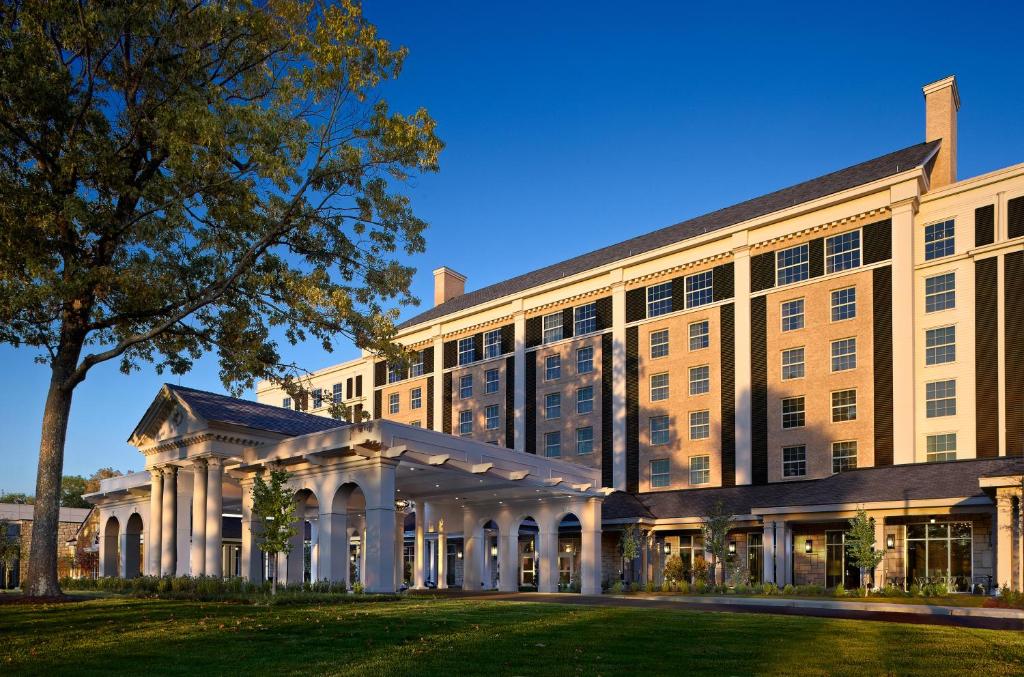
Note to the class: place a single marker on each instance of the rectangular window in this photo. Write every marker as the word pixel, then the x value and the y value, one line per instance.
pixel 659 343
pixel 552 367
pixel 941 447
pixel 659 473
pixel 553 444
pixel 940 398
pixel 700 425
pixel 659 387
pixel 466 386
pixel 791 265
pixel 492 343
pixel 659 430
pixel 699 289
pixel 585 319
pixel 939 240
pixel 792 315
pixel 467 351
pixel 659 299
pixel 842 252
pixel 940 345
pixel 793 412
pixel 792 363
pixel 940 292
pixel 491 416
pixel 844 406
pixel 844 456
pixel 286 403
pixel 585 400
pixel 416 398
pixel 700 335
pixel 585 440
pixel 416 364
pixel 417 424
pixel 552 327
pixel 393 403
pixel 553 406
pixel 394 373
pixel 700 469
pixel 794 461
pixel 844 304
pixel 465 423
pixel 844 354
pixel 491 381
pixel 318 398
pixel 585 360
pixel 337 393
pixel 700 380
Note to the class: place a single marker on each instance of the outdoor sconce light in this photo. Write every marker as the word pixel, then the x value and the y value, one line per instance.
pixel 890 542
pixel 494 551
pixel 459 554
pixel 353 558
pixel 931 521
pixel 808 546
pixel 667 548
pixel 568 547
pixel 732 547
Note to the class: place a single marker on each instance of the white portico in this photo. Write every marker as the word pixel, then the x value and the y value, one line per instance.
pixel 354 485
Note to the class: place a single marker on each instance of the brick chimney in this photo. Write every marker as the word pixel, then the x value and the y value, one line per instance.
pixel 447 285
pixel 941 102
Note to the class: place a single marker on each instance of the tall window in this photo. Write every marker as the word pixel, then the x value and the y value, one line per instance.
pixel 792 363
pixel 393 403
pixel 465 422
pixel 585 400
pixel 467 351
pixel 491 381
pixel 700 335
pixel 466 386
pixel 394 373
pixel 938 550
pixel 794 461
pixel 700 380
pixel 585 319
pixel 844 406
pixel 660 473
pixel 842 252
pixel 552 406
pixel 793 412
pixel 659 343
pixel 416 398
pixel 940 345
pixel 416 364
pixel 659 430
pixel 940 292
pixel 699 289
pixel 286 403
pixel 844 456
pixel 792 315
pixel 939 240
pixel 844 304
pixel 700 425
pixel 791 265
pixel 659 387
pixel 318 398
pixel 552 367
pixel 700 469
pixel 940 447
pixel 492 343
pixel 585 440
pixel 584 360
pixel 553 444
pixel 659 299
pixel 940 398
pixel 552 327
pixel 336 393
pixel 755 557
pixel 491 417
pixel 844 354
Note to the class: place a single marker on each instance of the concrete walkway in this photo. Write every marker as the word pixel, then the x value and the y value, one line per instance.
pixel 969 617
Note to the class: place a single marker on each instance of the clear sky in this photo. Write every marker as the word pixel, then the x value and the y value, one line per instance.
pixel 573 125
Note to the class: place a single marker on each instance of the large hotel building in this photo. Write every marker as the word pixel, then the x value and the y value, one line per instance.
pixel 849 342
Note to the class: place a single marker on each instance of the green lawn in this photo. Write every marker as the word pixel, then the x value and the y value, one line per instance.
pixel 460 637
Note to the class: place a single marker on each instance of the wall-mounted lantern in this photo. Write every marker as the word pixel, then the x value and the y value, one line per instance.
pixel 667 548
pixel 494 551
pixel 890 542
pixel 459 554
pixel 732 547
pixel 808 546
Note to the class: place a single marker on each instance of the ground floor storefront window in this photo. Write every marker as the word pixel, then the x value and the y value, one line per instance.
pixel 755 557
pixel 940 552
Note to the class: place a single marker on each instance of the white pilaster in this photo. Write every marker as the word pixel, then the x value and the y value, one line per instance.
pixel 442 556
pixel 768 552
pixel 296 558
pixel 438 375
pixel 618 382
pixel 332 555
pixel 252 557
pixel 420 564
pixel 590 548
pixel 741 352
pixel 519 394
pixel 904 206
pixel 880 546
pixel 214 515
pixel 379 542
pixel 155 524
pixel 197 554
pixel 472 552
pixel 169 523
pixel 547 561
pixel 1004 522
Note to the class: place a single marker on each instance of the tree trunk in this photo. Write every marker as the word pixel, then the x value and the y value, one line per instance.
pixel 273 575
pixel 41 580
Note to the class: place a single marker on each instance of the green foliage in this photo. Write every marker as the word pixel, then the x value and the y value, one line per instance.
pixel 789 589
pixel 71 489
pixel 666 586
pixel 1006 599
pixel 630 542
pixel 17 497
pixel 634 586
pixel 839 590
pixel 700 570
pixel 273 503
pixel 860 545
pixel 649 586
pixel 674 570
pixel 770 589
pixel 10 550
pixel 616 588
pixel 715 526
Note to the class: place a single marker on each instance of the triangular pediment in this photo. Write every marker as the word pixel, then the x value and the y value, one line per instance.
pixel 168 418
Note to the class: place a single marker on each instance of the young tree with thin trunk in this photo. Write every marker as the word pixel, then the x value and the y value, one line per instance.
pixel 860 546
pixel 10 551
pixel 715 526
pixel 186 176
pixel 273 503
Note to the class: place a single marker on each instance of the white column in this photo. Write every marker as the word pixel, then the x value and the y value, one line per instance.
pixel 508 559
pixel 314 551
pixel 442 556
pixel 169 523
pixel 438 375
pixel 472 553
pixel 1004 521
pixel 547 561
pixel 519 395
pixel 197 554
pixel 741 352
pixel 618 383
pixel 488 575
pixel 420 563
pixel 768 552
pixel 590 548
pixel 399 549
pixel 214 516
pixel 379 546
pixel 122 552
pixel 155 524
pixel 784 551
pixel 880 546
pixel 252 558
pixel 296 557
pixel 332 556
pixel 903 391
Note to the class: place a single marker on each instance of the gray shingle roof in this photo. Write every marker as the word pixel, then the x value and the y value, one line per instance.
pixel 844 179
pixel 953 479
pixel 234 411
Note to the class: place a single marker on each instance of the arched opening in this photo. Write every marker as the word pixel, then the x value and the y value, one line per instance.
pixel 133 545
pixel 307 513
pixel 111 552
pixel 570 547
pixel 348 534
pixel 528 561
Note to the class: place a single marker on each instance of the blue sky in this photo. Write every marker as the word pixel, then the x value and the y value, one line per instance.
pixel 570 126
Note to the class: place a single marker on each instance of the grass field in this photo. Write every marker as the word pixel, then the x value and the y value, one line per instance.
pixel 462 637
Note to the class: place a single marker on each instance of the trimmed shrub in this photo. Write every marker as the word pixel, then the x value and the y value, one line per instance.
pixel 666 586
pixel 616 588
pixel 839 591
pixel 634 586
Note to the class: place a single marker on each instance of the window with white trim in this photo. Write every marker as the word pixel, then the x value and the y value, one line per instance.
pixel 844 406
pixel 659 430
pixel 416 398
pixel 660 473
pixel 700 289
pixel 844 354
pixel 491 381
pixel 467 350
pixel 659 387
pixel 793 412
pixel 286 403
pixel 318 398
pixel 659 343
pixel 941 447
pixel 585 319
pixel 700 425
pixel 336 393
pixel 844 456
pixel 465 422
pixel 939 239
pixel 465 386
pixel 794 461
pixel 791 265
pixel 700 469
pixel 939 292
pixel 416 364
pixel 940 398
pixel 584 440
pixel 491 417
pixel 700 380
pixel 553 444
pixel 553 406
pixel 940 345
pixel 417 424
pixel 584 360
pixel 552 327
pixel 844 304
pixel 792 363
pixel 492 343
pixel 394 373
pixel 552 367
pixel 842 252
pixel 585 400
pixel 792 315
pixel 700 335
pixel 659 299
pixel 393 403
